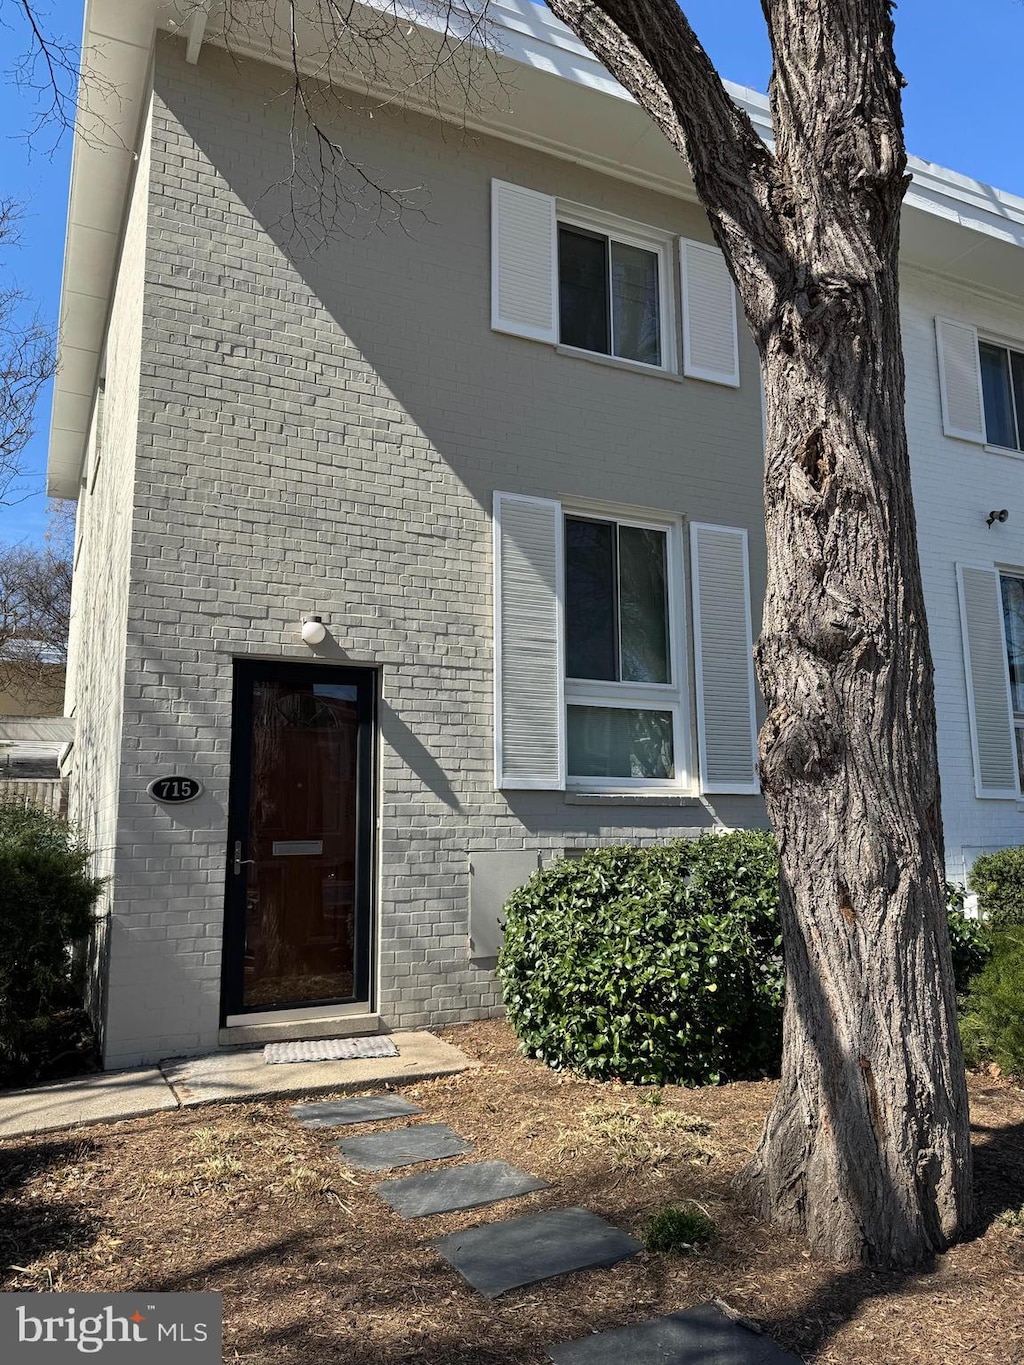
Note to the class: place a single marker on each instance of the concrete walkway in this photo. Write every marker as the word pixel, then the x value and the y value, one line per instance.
pixel 183 1083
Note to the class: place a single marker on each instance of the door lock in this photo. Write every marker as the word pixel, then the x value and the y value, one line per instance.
pixel 240 862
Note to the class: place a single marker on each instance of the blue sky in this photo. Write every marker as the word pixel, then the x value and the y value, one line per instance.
pixel 962 62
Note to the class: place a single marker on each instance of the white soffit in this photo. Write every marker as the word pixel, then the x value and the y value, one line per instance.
pixel 555 97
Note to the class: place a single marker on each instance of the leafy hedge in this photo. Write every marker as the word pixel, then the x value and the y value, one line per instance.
pixel 46 903
pixel 969 940
pixel 655 965
pixel 992 1025
pixel 661 964
pixel 997 879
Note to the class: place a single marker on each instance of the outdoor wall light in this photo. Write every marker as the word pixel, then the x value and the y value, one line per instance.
pixel 314 632
pixel 1001 515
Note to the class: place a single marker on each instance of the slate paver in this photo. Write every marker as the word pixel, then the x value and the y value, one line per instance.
pixel 402 1147
pixel 457 1187
pixel 700 1336
pixel 501 1256
pixel 341 1113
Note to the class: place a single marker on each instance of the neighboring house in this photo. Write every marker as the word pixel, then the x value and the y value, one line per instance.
pixel 37 689
pixel 510 456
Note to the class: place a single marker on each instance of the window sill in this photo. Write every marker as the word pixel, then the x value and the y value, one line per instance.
pixel 1004 450
pixel 581 798
pixel 614 362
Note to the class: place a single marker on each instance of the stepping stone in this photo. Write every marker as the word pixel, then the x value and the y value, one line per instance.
pixel 458 1187
pixel 502 1256
pixel 338 1113
pixel 700 1336
pixel 402 1147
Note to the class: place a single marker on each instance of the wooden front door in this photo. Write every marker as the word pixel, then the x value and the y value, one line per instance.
pixel 300 838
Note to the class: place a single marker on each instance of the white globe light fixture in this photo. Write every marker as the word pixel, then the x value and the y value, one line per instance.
pixel 314 632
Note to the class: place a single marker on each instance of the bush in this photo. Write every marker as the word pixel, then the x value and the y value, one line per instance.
pixel 46 903
pixel 969 941
pixel 663 964
pixel 997 879
pixel 992 1026
pixel 653 965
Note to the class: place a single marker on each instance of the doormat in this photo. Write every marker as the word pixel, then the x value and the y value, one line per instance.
pixel 329 1050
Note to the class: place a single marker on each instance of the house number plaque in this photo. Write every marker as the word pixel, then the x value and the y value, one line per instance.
pixel 174 791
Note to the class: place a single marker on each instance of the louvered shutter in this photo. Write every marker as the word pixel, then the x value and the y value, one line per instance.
pixel 529 730
pixel 723 657
pixel 710 346
pixel 963 411
pixel 988 683
pixel 524 270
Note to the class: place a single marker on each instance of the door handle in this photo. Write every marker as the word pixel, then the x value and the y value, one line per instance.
pixel 240 862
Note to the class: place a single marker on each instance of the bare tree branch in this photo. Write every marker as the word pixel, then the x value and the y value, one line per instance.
pixel 347 62
pixel 47 66
pixel 650 48
pixel 35 604
pixel 26 364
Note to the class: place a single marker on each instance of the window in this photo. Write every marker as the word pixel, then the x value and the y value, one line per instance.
pixel 572 275
pixel 622 694
pixel 609 295
pixel 1012 592
pixel 590 688
pixel 1002 388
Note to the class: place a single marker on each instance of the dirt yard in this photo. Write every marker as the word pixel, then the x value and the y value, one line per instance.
pixel 314 1268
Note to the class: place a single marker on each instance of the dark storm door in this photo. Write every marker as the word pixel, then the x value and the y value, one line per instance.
pixel 300 838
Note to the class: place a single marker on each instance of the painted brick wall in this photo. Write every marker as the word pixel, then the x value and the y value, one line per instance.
pixel 325 433
pixel 96 648
pixel 956 485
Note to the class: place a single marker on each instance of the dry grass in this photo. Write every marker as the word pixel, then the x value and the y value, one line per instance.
pixel 316 1270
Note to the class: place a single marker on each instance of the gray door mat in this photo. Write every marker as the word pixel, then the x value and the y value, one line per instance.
pixel 700 1336
pixel 339 1113
pixel 329 1050
pixel 457 1187
pixel 402 1147
pixel 501 1256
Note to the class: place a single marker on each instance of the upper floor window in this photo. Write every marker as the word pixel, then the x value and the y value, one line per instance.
pixel 576 276
pixel 609 294
pixel 1002 387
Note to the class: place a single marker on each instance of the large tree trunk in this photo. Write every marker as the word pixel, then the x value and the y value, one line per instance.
pixel 867 1147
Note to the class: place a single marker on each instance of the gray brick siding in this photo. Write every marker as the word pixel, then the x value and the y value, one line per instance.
pixel 324 433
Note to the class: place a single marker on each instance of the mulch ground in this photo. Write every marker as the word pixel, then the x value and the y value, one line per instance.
pixel 314 1268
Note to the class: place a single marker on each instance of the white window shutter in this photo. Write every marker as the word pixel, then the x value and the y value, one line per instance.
pixel 988 683
pixel 524 262
pixel 963 411
pixel 710 345
pixel 529 703
pixel 723 656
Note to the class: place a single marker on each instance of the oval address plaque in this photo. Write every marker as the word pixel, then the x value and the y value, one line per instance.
pixel 174 790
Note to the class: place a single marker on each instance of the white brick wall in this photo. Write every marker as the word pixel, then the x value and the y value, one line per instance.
pixel 956 485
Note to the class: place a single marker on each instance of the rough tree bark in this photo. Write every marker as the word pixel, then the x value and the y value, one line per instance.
pixel 866 1150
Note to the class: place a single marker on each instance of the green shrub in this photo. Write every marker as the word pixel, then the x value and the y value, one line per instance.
pixel 678 1230
pixel 654 965
pixel 997 879
pixel 46 903
pixel 969 941
pixel 992 1026
pixel 663 964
